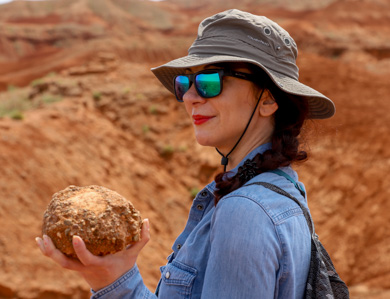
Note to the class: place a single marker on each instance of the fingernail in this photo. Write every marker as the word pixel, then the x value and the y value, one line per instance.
pixel 39 243
pixel 147 223
pixel 76 241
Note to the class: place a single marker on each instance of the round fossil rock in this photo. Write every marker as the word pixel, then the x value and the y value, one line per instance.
pixel 105 220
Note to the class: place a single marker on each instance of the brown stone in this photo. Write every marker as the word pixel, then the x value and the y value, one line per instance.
pixel 105 220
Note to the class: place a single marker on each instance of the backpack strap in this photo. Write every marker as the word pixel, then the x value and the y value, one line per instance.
pixel 282 173
pixel 284 193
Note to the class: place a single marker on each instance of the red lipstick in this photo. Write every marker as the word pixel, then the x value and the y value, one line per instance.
pixel 200 119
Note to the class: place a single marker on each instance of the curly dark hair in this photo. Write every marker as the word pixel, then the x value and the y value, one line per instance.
pixel 285 149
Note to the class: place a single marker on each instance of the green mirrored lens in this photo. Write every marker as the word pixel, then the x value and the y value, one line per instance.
pixel 208 85
pixel 182 85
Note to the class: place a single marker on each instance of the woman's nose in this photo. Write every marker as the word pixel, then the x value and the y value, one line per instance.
pixel 192 97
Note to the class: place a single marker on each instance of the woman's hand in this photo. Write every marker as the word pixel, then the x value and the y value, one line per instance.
pixel 98 271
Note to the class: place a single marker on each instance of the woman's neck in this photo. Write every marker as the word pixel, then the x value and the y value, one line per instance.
pixel 246 146
pixel 259 132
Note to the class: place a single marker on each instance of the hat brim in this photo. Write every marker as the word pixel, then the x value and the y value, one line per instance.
pixel 320 107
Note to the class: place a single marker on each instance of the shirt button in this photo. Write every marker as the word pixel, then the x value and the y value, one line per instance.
pixel 178 246
pixel 199 207
pixel 204 193
pixel 167 275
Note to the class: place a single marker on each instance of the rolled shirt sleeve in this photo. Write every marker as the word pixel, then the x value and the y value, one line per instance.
pixel 129 286
pixel 245 254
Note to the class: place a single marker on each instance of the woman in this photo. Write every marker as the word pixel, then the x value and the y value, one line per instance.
pixel 239 85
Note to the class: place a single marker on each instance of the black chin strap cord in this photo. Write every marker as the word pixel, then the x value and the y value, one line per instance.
pixel 225 160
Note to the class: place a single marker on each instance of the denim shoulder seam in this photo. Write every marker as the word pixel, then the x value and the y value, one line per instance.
pixel 277 218
pixel 254 201
pixel 284 216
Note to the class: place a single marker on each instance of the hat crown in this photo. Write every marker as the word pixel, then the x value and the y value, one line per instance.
pixel 241 34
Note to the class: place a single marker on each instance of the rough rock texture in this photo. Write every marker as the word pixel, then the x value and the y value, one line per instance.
pixel 105 220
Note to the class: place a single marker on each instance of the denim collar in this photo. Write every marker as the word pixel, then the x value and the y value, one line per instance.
pixel 258 150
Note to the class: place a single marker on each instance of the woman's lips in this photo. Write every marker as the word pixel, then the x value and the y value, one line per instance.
pixel 200 119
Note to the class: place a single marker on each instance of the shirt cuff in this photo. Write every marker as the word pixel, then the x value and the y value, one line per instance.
pixel 126 282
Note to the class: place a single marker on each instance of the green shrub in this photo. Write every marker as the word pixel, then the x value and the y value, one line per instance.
pixel 194 191
pixel 49 98
pixel 167 151
pixel 16 114
pixel 153 110
pixel 140 96
pixel 13 105
pixel 11 88
pixel 97 95
pixel 145 129
pixel 126 91
pixel 36 82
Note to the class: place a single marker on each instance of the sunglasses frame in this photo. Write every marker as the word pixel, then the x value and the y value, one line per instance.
pixel 221 73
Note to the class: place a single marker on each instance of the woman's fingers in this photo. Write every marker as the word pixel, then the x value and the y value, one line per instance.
pixel 47 247
pixel 84 255
pixel 145 236
pixel 87 260
pixel 40 245
pixel 145 230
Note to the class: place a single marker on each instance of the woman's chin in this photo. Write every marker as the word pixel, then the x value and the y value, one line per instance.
pixel 202 143
pixel 204 140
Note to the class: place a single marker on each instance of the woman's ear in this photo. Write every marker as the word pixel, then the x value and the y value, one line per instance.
pixel 267 105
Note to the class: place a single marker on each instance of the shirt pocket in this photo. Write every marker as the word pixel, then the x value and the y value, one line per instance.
pixel 177 280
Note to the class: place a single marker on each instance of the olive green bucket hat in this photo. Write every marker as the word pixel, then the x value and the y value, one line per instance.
pixel 237 36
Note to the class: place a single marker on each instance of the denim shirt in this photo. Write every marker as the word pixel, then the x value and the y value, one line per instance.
pixel 254 244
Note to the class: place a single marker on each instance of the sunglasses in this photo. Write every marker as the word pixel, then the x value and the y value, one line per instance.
pixel 208 83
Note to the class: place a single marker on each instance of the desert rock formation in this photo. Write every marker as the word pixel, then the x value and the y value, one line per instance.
pixel 94 114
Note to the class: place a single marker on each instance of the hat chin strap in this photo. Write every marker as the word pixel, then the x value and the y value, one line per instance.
pixel 225 159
